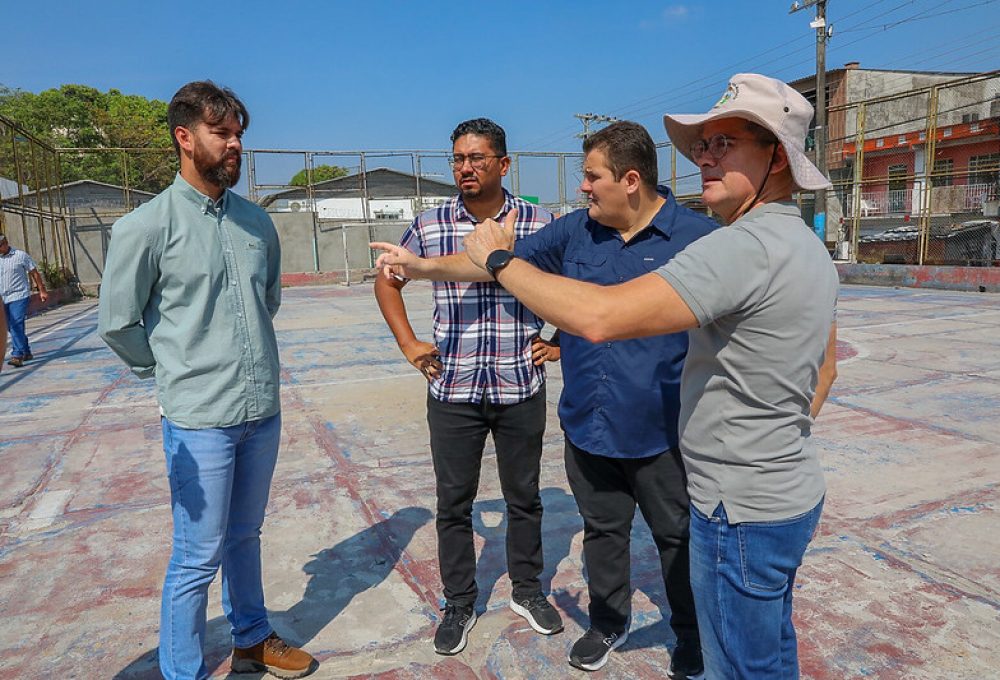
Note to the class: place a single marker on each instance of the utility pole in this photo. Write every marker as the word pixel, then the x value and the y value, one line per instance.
pixel 822 33
pixel 588 118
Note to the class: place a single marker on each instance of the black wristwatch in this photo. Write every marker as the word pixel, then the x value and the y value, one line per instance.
pixel 497 260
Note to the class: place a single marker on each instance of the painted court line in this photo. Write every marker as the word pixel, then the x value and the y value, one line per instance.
pixel 75 317
pixel 924 319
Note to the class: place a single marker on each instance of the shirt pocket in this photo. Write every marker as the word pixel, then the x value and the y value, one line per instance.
pixel 255 259
pixel 586 266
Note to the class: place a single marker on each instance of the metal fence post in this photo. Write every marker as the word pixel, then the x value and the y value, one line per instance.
pixel 930 150
pixel 859 172
pixel 311 202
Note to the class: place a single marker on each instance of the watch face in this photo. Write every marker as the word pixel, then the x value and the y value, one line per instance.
pixel 497 260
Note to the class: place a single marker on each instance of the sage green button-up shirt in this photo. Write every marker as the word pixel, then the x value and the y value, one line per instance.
pixel 189 290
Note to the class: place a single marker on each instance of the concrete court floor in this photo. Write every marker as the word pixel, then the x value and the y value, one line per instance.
pixel 901 582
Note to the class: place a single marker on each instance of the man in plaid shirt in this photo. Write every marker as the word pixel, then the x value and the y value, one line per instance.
pixel 481 380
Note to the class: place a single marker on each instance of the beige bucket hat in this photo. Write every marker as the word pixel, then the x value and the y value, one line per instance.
pixel 767 102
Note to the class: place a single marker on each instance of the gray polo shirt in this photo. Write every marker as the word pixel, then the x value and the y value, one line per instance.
pixel 764 291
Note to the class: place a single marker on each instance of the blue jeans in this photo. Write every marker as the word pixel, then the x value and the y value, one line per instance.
pixel 17 312
pixel 742 576
pixel 219 484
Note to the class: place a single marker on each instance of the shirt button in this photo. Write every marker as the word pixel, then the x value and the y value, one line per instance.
pixel 608 345
pixel 600 409
pixel 604 376
pixel 621 278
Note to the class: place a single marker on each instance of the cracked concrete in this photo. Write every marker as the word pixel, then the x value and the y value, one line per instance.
pixel 901 582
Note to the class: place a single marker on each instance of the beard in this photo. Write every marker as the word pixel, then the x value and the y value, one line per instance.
pixel 471 193
pixel 221 173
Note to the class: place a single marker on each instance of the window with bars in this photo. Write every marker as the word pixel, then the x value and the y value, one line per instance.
pixel 942 173
pixel 984 169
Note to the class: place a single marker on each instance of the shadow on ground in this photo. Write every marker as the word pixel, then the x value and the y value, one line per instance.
pixel 363 561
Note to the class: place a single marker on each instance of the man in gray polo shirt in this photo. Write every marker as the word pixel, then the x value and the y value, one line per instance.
pixel 759 300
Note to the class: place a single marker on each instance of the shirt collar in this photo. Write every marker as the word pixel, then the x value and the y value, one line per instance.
pixel 462 213
pixel 781 208
pixel 205 203
pixel 663 220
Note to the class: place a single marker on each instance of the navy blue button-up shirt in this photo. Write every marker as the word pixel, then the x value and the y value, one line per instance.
pixel 620 399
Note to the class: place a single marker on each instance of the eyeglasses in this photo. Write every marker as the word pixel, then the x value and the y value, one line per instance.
pixel 476 160
pixel 716 146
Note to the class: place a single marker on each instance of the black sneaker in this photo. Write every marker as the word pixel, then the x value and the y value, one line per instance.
pixel 542 616
pixel 16 362
pixel 591 652
pixel 686 661
pixel 453 632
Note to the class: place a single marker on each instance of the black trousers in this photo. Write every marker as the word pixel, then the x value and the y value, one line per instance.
pixel 458 434
pixel 607 491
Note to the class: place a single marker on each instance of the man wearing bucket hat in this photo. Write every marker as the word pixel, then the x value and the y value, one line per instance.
pixel 759 300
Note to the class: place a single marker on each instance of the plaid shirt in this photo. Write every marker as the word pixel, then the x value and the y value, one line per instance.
pixel 482 332
pixel 14 269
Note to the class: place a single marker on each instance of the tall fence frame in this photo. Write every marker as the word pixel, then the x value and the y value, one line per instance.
pixel 33 209
pixel 933 212
pixel 918 207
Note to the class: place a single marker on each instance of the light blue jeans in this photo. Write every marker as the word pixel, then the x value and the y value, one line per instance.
pixel 219 484
pixel 743 576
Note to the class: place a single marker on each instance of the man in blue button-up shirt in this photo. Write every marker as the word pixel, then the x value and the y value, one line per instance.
pixel 191 283
pixel 620 401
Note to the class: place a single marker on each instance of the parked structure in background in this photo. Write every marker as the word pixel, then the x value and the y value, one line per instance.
pixel 89 208
pixel 887 176
pixel 391 195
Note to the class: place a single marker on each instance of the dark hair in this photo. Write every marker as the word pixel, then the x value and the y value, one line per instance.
pixel 627 146
pixel 202 101
pixel 484 127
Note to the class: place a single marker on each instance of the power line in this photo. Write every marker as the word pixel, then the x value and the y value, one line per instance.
pixel 713 84
pixel 636 109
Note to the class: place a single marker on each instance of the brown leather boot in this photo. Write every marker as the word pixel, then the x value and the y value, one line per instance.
pixel 273 656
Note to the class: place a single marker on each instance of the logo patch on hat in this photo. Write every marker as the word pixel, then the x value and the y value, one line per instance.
pixel 732 92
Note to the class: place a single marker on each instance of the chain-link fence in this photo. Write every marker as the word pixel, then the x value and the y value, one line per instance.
pixel 917 174
pixel 32 206
pixel 916 179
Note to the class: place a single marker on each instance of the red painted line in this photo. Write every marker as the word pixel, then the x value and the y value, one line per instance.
pixel 52 461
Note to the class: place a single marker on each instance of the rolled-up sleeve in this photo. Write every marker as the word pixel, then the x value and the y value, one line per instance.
pixel 130 272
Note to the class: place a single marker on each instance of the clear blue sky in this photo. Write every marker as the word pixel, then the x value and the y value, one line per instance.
pixel 390 75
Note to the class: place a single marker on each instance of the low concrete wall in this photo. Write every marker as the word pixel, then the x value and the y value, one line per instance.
pixel 981 279
pixel 57 296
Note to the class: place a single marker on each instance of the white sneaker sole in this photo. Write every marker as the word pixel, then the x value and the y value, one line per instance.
pixel 599 664
pixel 521 611
pixel 465 637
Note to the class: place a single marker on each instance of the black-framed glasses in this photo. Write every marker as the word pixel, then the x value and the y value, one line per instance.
pixel 476 160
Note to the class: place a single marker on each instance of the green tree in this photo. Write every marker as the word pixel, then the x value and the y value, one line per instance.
pixel 82 117
pixel 320 173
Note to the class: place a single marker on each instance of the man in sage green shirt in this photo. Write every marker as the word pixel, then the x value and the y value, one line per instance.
pixel 191 283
